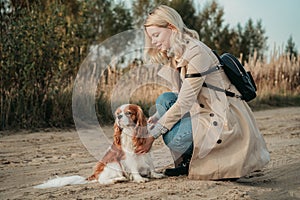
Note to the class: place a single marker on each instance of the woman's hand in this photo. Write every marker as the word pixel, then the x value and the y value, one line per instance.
pixel 152 121
pixel 146 147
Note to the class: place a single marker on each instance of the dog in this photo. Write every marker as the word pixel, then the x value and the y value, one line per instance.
pixel 120 163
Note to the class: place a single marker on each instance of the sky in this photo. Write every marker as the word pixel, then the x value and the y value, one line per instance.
pixel 280 18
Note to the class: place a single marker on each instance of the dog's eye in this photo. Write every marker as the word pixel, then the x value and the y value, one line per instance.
pixel 119 116
pixel 128 113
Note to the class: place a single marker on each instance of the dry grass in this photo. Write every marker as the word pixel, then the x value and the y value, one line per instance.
pixel 279 76
pixel 277 81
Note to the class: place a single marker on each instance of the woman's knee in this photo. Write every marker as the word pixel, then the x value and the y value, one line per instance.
pixel 166 99
pixel 180 144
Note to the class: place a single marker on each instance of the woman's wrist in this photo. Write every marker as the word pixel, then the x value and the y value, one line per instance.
pixel 158 130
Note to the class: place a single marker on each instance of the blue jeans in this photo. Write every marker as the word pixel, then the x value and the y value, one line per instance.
pixel 179 138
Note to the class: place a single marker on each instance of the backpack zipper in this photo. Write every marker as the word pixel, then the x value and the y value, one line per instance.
pixel 235 65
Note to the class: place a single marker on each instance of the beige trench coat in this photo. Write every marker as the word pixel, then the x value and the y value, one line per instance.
pixel 227 141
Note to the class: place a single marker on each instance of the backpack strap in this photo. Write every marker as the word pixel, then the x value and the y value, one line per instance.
pixel 228 93
pixel 219 58
pixel 210 70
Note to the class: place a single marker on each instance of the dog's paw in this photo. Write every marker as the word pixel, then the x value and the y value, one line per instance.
pixel 140 180
pixel 120 179
pixel 157 175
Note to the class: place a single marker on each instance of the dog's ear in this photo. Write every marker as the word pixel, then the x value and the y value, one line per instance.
pixel 141 118
pixel 117 135
pixel 141 131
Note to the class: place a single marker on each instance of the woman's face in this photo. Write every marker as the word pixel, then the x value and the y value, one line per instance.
pixel 160 37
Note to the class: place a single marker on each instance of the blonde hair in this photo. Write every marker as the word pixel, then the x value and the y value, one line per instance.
pixel 166 17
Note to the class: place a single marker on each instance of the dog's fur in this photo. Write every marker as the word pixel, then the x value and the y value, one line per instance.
pixel 120 163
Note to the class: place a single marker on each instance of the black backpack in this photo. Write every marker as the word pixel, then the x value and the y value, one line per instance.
pixel 236 73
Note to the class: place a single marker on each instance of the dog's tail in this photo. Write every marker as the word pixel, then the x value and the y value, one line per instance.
pixel 63 181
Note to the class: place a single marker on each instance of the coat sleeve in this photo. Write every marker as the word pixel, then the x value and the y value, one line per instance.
pixel 198 60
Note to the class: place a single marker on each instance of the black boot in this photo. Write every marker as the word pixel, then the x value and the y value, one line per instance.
pixel 177 157
pixel 182 168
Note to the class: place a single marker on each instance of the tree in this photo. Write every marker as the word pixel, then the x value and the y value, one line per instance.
pixel 140 9
pixel 42 44
pixel 229 41
pixel 186 10
pixel 290 48
pixel 107 18
pixel 252 38
pixel 211 29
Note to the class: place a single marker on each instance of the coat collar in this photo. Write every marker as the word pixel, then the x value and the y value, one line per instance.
pixel 188 54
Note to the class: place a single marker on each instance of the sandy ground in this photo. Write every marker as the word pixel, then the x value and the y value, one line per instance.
pixel 28 159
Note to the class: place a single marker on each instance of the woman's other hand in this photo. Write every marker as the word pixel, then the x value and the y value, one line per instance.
pixel 146 147
pixel 152 121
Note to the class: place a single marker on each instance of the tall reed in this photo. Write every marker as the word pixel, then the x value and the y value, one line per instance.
pixel 277 80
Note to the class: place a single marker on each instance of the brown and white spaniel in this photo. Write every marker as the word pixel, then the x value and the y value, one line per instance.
pixel 120 163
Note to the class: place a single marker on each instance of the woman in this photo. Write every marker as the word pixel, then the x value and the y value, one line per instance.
pixel 210 135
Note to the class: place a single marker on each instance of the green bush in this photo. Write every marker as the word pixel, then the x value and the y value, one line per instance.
pixel 40 55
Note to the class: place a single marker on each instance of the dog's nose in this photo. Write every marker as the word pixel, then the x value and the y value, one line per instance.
pixel 120 116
